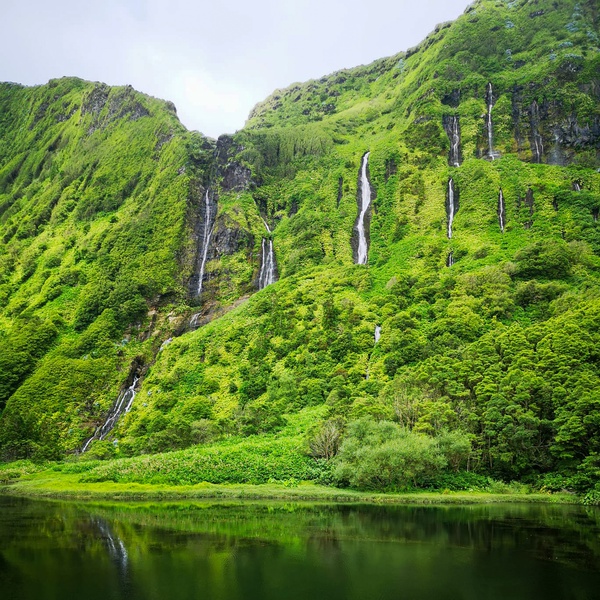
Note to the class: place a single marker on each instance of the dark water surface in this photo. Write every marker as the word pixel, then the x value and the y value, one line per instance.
pixel 224 551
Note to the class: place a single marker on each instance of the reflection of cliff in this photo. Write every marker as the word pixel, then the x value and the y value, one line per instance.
pixel 534 529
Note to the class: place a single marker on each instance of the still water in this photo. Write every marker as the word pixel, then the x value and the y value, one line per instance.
pixel 226 551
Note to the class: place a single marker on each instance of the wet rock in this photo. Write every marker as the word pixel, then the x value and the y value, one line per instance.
pixel 228 238
pixel 236 177
pixel 340 191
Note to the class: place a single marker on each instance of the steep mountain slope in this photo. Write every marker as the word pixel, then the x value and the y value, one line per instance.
pixel 95 192
pixel 474 323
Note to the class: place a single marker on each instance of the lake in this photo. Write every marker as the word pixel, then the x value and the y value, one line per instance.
pixel 275 550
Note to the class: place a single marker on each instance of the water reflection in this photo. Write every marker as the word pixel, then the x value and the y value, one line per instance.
pixel 114 544
pixel 294 551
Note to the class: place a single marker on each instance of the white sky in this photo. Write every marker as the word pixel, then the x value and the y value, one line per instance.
pixel 215 59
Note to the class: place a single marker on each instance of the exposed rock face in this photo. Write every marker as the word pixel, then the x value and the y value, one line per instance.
pixel 107 105
pixel 452 99
pixel 228 238
pixel 235 176
pixel 550 131
pixel 94 102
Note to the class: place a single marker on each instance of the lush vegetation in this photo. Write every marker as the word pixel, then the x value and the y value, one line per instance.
pixel 485 371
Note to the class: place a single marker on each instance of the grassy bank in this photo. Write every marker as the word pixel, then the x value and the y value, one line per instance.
pixel 51 484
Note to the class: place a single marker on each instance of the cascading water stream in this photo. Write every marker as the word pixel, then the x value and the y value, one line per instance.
pixel 268 266
pixel 501 211
pixel 377 335
pixel 576 186
pixel 208 224
pixel 365 195
pixel 455 148
pixel 451 206
pixel 120 407
pixel 537 146
pixel 490 125
pixel 450 259
pixel 452 127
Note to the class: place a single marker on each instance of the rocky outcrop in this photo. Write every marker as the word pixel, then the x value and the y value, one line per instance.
pixel 234 175
pixel 549 132
pixel 106 105
pixel 228 238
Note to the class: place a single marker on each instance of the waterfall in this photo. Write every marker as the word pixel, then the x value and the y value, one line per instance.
pixel 267 274
pixel 595 214
pixel 537 146
pixel 121 406
pixel 377 334
pixel 365 195
pixel 451 205
pixel 268 265
pixel 489 124
pixel 576 186
pixel 455 147
pixel 452 128
pixel 501 211
pixel 208 224
pixel 450 259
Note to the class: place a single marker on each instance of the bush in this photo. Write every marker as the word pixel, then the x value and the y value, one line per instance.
pixel 383 456
pixel 325 442
pixel 548 259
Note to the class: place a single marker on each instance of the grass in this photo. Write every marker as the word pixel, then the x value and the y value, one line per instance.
pixel 47 483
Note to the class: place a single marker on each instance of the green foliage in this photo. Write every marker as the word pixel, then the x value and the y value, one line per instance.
pixel 383 456
pixel 487 368
pixel 257 460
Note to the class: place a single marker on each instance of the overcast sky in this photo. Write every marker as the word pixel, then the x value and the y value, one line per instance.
pixel 214 60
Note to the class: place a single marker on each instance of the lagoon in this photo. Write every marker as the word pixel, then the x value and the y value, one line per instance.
pixel 278 550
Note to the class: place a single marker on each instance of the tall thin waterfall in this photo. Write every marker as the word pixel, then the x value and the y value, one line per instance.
pixel 595 214
pixel 377 334
pixel 501 211
pixel 208 225
pixel 451 205
pixel 537 143
pixel 120 407
pixel 450 259
pixel 365 195
pixel 576 186
pixel 268 265
pixel 452 128
pixel 489 123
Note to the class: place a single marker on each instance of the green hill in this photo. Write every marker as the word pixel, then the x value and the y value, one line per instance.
pixel 486 357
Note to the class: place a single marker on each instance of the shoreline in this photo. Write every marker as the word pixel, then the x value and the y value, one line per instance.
pixel 67 487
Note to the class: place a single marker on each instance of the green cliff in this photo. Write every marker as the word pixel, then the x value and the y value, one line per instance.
pixel 469 342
